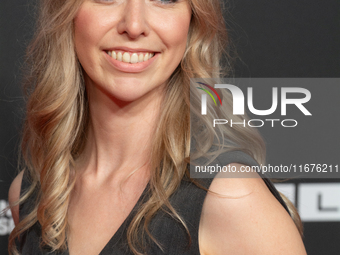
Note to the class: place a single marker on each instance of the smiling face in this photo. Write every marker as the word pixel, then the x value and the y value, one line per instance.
pixel 129 48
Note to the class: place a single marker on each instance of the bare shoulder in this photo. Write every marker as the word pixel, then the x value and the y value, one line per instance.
pixel 246 219
pixel 14 195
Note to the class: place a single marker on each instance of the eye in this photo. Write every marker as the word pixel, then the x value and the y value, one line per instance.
pixel 105 1
pixel 166 1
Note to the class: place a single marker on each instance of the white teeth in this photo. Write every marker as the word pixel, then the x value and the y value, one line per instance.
pixel 146 56
pixel 127 58
pixel 134 58
pixel 140 58
pixel 119 56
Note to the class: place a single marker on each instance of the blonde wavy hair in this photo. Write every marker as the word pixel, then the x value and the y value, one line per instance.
pixel 57 119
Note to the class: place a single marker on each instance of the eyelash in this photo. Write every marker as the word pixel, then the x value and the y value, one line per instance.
pixel 104 1
pixel 167 1
pixel 161 1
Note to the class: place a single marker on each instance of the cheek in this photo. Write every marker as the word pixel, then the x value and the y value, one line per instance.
pixel 179 32
pixel 89 28
pixel 83 35
pixel 174 31
pixel 83 27
pixel 93 23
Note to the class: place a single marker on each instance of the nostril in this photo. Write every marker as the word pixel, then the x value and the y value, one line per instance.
pixel 134 21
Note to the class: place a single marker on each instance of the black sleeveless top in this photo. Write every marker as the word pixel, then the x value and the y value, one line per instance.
pixel 187 201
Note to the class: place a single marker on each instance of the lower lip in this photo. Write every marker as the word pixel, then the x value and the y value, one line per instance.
pixel 128 67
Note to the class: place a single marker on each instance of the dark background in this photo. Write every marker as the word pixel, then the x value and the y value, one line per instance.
pixel 288 38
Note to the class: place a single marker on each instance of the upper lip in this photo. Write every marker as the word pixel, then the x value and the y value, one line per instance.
pixel 129 49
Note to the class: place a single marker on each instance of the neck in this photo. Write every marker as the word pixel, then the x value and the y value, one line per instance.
pixel 120 134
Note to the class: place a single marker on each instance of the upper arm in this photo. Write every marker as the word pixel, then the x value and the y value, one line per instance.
pixel 14 195
pixel 247 220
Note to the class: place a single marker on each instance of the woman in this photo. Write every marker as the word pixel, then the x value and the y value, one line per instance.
pixel 107 139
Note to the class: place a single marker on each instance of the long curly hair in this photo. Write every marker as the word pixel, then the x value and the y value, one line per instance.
pixel 57 119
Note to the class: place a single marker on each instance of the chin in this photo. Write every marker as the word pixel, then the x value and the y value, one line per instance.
pixel 134 90
pixel 129 96
pixel 123 99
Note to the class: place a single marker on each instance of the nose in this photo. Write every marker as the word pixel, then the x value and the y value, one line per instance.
pixel 133 20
